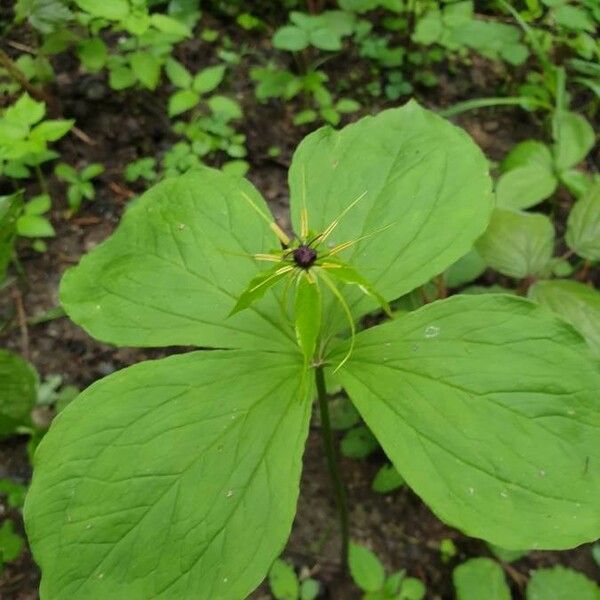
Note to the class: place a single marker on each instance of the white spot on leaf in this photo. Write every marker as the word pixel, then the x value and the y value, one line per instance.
pixel 432 331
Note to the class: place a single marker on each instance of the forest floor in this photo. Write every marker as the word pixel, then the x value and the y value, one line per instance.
pixel 121 127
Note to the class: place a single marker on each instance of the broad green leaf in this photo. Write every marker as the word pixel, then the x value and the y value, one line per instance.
pixel 208 79
pixel 146 68
pixel 10 208
pixel 525 187
pixel 576 303
pixel 307 315
pixel 359 442
pixel 50 131
pixel 465 269
pixel 66 172
pixel 325 39
pixel 290 38
pixel 573 17
pixel 527 154
pixel 577 182
pixel 488 407
pixel 505 555
pixel 413 173
pixel 559 583
pixel 121 77
pixel 283 581
pixel 517 244
pixel 14 492
pixel 175 478
pixel 25 110
pixel 113 10
pixel 175 267
pixel 11 543
pixel 169 25
pixel 480 578
pixel 309 589
pixel 224 108
pixel 574 137
pixel 412 589
pixel 258 286
pixel 583 225
pixel 365 568
pixel 93 54
pixel 34 226
pixel 38 205
pixel 178 74
pixel 387 479
pixel 91 171
pixel 18 386
pixel 182 101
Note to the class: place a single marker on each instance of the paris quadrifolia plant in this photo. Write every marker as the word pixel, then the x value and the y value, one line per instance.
pixel 178 477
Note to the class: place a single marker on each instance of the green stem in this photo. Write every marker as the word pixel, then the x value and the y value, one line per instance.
pixel 461 107
pixel 332 464
pixel 41 180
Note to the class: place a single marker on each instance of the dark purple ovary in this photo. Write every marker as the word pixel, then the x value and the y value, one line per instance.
pixel 304 256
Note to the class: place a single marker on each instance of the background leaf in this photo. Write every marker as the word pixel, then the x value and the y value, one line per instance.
pixel 480 578
pixel 575 302
pixel 583 225
pixel 18 389
pixel 517 244
pixel 488 407
pixel 559 583
pixel 574 138
pixel 365 568
pixel 525 187
pixel 283 581
pixel 111 513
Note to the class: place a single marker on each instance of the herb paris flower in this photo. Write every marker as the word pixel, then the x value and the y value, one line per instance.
pixel 178 478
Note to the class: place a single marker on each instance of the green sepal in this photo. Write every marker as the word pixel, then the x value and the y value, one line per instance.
pixel 349 275
pixel 307 314
pixel 259 285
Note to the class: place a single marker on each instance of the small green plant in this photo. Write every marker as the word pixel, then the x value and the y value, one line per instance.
pixel 18 393
pixel 273 82
pixel 484 578
pixel 285 584
pixel 503 449
pixel 210 128
pixel 140 56
pixel 10 209
pixel 24 138
pixel 191 88
pixel 79 183
pixel 480 578
pixel 455 27
pixel 324 31
pixel 142 168
pixel 11 543
pixel 32 222
pixel 369 575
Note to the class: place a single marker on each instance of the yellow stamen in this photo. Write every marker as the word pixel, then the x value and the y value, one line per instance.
pixel 328 231
pixel 281 271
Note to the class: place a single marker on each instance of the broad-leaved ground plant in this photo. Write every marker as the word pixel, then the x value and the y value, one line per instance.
pixel 178 478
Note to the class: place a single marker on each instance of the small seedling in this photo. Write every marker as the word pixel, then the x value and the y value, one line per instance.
pixel 369 575
pixel 24 138
pixel 80 186
pixel 285 584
